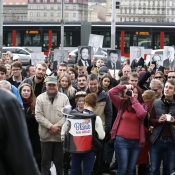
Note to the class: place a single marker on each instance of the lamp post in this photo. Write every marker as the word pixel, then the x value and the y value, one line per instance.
pixel 62 25
pixel 1 26
pixel 113 16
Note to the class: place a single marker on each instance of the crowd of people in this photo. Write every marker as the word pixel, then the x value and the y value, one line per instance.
pixel 134 115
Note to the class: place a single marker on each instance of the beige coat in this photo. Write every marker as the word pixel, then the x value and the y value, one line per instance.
pixel 48 114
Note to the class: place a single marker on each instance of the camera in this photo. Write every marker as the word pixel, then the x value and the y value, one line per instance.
pixel 129 93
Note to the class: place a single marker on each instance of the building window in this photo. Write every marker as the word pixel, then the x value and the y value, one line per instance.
pixel 58 7
pixel 74 14
pixel 45 14
pixel 66 1
pixel 143 19
pixel 38 7
pixel 31 7
pixel 51 14
pixel 51 1
pixel 31 19
pixel 38 14
pixel 74 1
pixel 152 19
pixel 38 20
pixel 45 1
pixel 10 11
pixel 120 19
pixel 66 14
pixel 74 7
pixel 31 13
pixel 45 6
pixel 58 14
pixel 31 1
pixel 66 7
pixel 37 1
pixel 52 7
pixel 45 20
pixel 59 1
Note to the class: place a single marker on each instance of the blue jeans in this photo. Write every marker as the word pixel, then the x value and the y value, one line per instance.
pixel 88 162
pixel 156 153
pixel 127 151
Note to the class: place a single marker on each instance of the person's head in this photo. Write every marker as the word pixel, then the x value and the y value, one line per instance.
pixel 30 70
pixel 25 90
pixel 157 87
pixel 96 41
pixel 102 70
pixel 167 70
pixel 144 68
pixel 126 62
pixel 62 67
pixel 171 53
pixel 157 60
pixel 84 52
pixel 133 78
pixel 99 62
pixel 171 75
pixel 8 60
pixel 93 83
pixel 59 56
pixel 16 69
pixel 3 72
pixel 8 67
pixel 138 94
pixel 79 99
pixel 126 70
pixel 73 73
pixel 113 56
pixel 137 52
pixel 90 100
pixel 16 58
pixel 124 79
pixel 149 97
pixel 68 125
pixel 106 81
pixel 160 76
pixel 9 54
pixel 64 80
pixel 5 85
pixel 169 89
pixel 40 70
pixel 51 85
pixel 82 81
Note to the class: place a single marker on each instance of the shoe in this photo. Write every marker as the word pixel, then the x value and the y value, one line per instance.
pixel 113 166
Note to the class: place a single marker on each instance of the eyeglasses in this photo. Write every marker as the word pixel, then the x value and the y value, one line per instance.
pixel 16 70
pixel 155 90
pixel 157 77
pixel 171 77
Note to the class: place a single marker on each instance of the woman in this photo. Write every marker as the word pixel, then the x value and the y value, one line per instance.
pixel 148 98
pixel 128 128
pixel 8 67
pixel 88 158
pixel 160 76
pixel 106 82
pixel 73 75
pixel 65 86
pixel 28 99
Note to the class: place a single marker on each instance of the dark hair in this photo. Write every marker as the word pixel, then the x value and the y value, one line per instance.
pixel 28 67
pixel 113 51
pixel 82 75
pixel 84 48
pixel 74 71
pixel 3 69
pixel 91 99
pixel 16 64
pixel 120 73
pixel 92 77
pixel 106 75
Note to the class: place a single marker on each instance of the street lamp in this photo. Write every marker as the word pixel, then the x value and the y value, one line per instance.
pixel 1 26
pixel 62 24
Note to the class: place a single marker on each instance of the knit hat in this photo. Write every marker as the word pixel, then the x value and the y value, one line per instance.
pixel 102 70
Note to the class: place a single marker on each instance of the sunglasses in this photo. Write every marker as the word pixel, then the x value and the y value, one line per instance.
pixel 157 77
pixel 171 77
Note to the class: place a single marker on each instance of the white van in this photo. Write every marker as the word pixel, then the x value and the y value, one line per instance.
pixel 23 52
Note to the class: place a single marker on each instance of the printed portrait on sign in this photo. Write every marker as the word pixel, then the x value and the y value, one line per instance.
pixel 96 42
pixel 136 57
pixel 37 58
pixel 168 57
pixel 84 56
pixel 114 59
pixel 157 60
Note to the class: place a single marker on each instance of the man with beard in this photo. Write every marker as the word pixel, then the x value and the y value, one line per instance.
pixel 50 118
pixel 37 81
pixel 82 82
pixel 85 59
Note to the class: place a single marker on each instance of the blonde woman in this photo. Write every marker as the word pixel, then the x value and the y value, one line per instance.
pixel 65 86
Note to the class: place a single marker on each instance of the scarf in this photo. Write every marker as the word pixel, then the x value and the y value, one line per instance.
pixel 27 102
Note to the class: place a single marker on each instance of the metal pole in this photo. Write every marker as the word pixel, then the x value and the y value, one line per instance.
pixel 62 25
pixel 113 24
pixel 1 26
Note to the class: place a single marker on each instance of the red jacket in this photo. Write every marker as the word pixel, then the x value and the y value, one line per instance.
pixel 119 103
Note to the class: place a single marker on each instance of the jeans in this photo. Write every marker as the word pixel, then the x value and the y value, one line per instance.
pixel 127 151
pixel 157 152
pixel 51 151
pixel 108 153
pixel 88 162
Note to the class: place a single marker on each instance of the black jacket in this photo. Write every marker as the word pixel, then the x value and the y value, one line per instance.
pixel 16 156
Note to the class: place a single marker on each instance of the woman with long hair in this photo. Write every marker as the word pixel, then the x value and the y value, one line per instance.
pixel 128 128
pixel 29 100
pixel 9 72
pixel 65 86
pixel 106 82
pixel 73 76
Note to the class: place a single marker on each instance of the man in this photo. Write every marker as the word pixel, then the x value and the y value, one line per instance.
pixel 163 134
pixel 169 62
pixel 58 58
pixel 15 148
pixel 96 49
pixel 50 118
pixel 133 78
pixel 37 81
pixel 113 62
pixel 157 87
pixel 82 82
pixel 156 59
pixel 171 75
pixel 6 85
pixel 13 89
pixel 138 60
pixel 126 70
pixel 85 59
pixel 30 71
pixel 7 60
pixel 104 110
pixel 16 77
pixel 62 67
